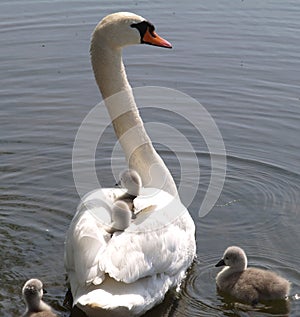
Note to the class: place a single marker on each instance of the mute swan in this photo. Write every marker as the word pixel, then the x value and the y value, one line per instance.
pixel 249 285
pixel 35 307
pixel 127 273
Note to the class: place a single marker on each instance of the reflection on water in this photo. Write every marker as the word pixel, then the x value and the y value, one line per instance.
pixel 230 308
pixel 240 59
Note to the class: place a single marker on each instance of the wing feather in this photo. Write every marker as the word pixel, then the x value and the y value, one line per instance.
pixel 130 256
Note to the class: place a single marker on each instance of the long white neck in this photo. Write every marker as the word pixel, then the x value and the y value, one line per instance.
pixel 140 154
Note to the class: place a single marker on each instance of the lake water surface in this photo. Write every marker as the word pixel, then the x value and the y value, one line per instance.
pixel 239 59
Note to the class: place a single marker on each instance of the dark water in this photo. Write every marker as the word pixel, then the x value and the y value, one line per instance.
pixel 240 59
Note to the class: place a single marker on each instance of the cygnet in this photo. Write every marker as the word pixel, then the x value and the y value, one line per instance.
pixel 130 180
pixel 120 216
pixel 248 285
pixel 35 307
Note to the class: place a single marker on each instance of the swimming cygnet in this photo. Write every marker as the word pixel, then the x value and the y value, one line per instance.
pixel 120 216
pixel 132 181
pixel 249 285
pixel 35 307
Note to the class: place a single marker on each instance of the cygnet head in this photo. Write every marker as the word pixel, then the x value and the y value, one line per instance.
pixel 124 28
pixel 131 180
pixel 32 292
pixel 235 258
pixel 120 216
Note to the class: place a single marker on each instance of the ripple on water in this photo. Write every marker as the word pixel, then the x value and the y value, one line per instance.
pixel 256 197
pixel 199 291
pixel 262 217
pixel 30 247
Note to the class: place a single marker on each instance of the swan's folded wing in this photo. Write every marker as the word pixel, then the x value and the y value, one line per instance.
pixel 159 241
pixel 88 239
pixel 168 249
pixel 151 197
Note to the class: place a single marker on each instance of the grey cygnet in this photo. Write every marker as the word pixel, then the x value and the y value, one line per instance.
pixel 120 216
pixel 35 307
pixel 132 181
pixel 249 285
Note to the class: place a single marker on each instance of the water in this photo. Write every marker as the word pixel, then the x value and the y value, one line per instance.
pixel 240 59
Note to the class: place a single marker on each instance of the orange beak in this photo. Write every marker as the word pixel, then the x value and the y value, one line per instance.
pixel 153 38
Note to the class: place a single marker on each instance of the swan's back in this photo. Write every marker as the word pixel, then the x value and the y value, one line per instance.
pixel 133 268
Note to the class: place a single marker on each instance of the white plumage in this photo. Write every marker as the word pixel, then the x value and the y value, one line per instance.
pixel 133 268
pixel 128 272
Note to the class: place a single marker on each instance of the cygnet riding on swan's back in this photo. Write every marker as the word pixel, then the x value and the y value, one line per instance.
pixel 126 274
pixel 131 181
pixel 35 307
pixel 249 285
pixel 120 216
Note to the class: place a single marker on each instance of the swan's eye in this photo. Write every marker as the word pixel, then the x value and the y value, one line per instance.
pixel 151 29
pixel 143 27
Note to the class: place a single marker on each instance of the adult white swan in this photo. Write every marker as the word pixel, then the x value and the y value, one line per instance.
pixel 130 271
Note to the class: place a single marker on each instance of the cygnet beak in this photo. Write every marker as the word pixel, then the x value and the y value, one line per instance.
pixel 220 263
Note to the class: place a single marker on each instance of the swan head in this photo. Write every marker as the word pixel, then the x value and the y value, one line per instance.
pixel 120 216
pixel 32 291
pixel 131 180
pixel 235 258
pixel 124 28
